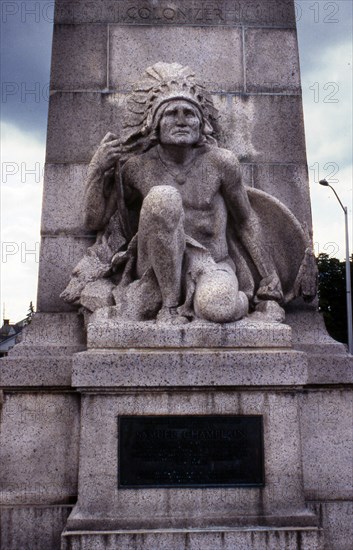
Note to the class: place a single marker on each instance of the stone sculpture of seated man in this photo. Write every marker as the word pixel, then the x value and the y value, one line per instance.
pixel 164 214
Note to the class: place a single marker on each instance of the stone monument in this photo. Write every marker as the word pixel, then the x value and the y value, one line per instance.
pixel 177 388
pixel 177 216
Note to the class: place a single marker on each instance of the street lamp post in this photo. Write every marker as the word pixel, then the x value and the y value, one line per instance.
pixel 348 272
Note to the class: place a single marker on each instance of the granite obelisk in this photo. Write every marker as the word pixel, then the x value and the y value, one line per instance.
pixel 148 434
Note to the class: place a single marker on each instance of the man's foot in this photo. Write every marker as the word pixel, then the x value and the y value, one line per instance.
pixel 186 311
pixel 270 289
pixel 268 311
pixel 170 316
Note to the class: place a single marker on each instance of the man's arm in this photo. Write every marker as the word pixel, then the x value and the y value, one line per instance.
pixel 247 227
pixel 130 177
pixel 99 195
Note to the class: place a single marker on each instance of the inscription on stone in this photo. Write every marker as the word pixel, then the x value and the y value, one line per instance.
pixel 190 451
pixel 193 13
pixel 177 12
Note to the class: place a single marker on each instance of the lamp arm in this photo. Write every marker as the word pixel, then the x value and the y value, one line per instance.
pixel 339 200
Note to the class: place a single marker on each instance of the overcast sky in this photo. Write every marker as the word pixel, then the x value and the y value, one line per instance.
pixel 325 44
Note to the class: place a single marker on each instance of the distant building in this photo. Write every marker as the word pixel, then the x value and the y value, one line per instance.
pixel 9 335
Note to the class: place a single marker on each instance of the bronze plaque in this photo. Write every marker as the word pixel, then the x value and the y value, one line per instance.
pixel 190 451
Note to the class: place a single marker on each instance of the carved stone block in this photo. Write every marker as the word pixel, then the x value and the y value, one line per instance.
pixel 209 48
pixel 272 61
pixel 59 255
pixel 63 186
pixel 270 128
pixel 79 57
pixel 39 452
pixel 269 13
pixel 326 427
pixel 42 526
pixel 96 113
pixel 288 183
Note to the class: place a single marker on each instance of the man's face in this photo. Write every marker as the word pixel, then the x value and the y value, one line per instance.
pixel 180 124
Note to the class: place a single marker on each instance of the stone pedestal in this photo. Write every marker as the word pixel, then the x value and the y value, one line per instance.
pixel 40 424
pixel 198 539
pixel 232 379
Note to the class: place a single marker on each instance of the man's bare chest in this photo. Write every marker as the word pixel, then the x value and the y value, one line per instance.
pixel 198 184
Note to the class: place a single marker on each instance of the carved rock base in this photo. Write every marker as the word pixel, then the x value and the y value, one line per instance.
pixel 104 332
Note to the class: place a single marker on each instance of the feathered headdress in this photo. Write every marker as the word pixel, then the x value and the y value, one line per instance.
pixel 161 83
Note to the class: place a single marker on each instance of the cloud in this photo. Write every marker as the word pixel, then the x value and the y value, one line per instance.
pixel 325 47
pixel 321 24
pixel 327 95
pixel 328 217
pixel 327 100
pixel 26 35
pixel 21 196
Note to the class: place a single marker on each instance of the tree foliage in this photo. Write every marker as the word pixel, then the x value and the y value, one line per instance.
pixel 332 295
pixel 30 313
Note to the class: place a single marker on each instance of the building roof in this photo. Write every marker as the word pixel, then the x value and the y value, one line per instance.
pixel 8 330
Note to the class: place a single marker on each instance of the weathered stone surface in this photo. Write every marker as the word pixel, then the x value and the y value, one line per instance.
pixel 326 428
pixel 43 358
pixel 63 187
pixel 41 525
pixel 58 331
pixel 330 368
pixel 79 57
pixel 35 372
pixel 270 128
pixel 219 71
pixel 59 255
pixel 107 333
pixel 180 12
pixel 283 139
pixel 95 114
pixel 254 141
pixel 146 368
pixel 288 183
pixel 39 448
pixel 225 539
pixel 247 174
pixel 102 505
pixel 309 332
pixel 336 520
pixel 272 61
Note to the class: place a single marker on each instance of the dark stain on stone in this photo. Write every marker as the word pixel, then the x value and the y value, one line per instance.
pixel 299 540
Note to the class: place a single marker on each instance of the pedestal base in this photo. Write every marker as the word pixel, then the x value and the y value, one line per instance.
pixel 208 539
pixel 190 383
pixel 103 332
pixel 305 400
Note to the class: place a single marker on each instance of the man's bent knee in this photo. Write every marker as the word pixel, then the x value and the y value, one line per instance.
pixel 163 205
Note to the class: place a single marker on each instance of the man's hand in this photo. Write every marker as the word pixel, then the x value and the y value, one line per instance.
pixel 107 154
pixel 270 289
